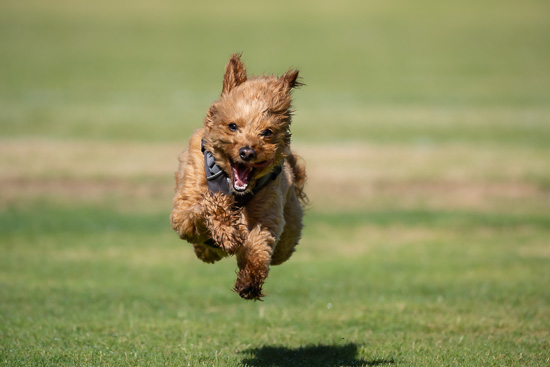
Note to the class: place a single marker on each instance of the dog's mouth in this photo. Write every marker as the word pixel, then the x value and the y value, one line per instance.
pixel 243 174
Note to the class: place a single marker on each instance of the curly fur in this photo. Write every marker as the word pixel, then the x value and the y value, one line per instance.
pixel 253 113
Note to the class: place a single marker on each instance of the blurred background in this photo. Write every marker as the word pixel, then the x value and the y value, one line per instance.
pixel 400 76
pixel 425 126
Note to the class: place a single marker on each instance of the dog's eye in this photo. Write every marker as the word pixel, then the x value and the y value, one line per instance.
pixel 266 133
pixel 232 127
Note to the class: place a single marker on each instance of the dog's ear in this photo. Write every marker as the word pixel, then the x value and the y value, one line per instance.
pixel 281 102
pixel 209 119
pixel 235 74
pixel 290 80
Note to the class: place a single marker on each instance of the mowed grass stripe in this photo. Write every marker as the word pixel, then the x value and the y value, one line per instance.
pixel 430 218
pixel 50 221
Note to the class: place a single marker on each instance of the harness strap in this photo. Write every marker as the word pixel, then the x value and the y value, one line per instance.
pixel 216 178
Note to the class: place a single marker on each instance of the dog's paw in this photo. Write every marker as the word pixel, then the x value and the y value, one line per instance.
pixel 250 292
pixel 188 223
pixel 206 254
pixel 249 284
pixel 227 238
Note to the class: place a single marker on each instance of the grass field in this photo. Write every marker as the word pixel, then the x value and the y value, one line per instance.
pixel 426 129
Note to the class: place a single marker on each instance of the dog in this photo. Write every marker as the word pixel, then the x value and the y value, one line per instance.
pixel 239 188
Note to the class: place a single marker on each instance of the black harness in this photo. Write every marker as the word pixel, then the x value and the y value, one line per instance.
pixel 218 180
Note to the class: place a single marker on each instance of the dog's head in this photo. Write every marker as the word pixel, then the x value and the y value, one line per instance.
pixel 248 128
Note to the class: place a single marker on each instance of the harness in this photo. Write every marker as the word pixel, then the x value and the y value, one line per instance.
pixel 219 181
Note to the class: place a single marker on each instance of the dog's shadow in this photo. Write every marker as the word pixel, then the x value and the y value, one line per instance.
pixel 315 355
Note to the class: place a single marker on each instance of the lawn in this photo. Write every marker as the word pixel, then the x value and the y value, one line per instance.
pixel 425 127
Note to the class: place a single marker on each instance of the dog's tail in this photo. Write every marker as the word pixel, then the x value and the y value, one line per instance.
pixel 300 177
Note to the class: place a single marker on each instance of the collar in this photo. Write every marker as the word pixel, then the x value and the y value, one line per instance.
pixel 219 181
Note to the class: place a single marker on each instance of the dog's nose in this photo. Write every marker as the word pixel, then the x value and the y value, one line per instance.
pixel 247 154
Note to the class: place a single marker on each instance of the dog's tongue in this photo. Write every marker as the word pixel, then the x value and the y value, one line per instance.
pixel 241 176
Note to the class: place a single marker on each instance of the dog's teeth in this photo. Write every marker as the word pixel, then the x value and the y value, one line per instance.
pixel 241 188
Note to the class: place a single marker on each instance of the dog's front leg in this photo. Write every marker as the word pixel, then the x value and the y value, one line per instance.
pixel 253 260
pixel 209 216
pixel 187 219
pixel 224 221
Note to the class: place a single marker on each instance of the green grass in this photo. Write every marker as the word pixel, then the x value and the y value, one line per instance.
pixel 148 70
pixel 98 287
pixel 426 130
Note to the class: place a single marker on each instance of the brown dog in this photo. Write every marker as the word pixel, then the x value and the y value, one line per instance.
pixel 239 188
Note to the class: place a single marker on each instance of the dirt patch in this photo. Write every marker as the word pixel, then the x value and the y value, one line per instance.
pixel 343 177
pixel 121 193
pixel 123 173
pixel 46 158
pixel 444 177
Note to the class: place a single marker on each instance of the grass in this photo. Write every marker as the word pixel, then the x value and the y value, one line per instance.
pixel 96 287
pixel 425 127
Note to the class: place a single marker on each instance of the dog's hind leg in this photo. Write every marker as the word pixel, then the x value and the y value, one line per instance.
pixel 253 260
pixel 293 214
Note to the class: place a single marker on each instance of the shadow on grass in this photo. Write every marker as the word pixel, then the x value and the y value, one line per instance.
pixel 315 355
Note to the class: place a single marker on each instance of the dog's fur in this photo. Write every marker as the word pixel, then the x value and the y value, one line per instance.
pixel 252 113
